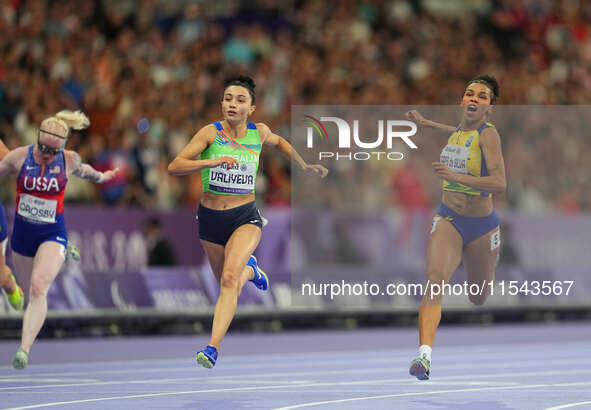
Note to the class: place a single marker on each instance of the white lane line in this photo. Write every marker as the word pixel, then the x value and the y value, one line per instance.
pixel 385 366
pixel 389 396
pixel 138 396
pixel 406 380
pixel 568 405
pixel 42 380
pixel 283 386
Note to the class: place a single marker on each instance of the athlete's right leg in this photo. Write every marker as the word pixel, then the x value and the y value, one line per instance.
pixel 444 253
pixel 23 266
pixel 226 305
pixel 215 256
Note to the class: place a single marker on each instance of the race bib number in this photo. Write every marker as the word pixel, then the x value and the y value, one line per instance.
pixel 495 240
pixel 37 209
pixel 236 180
pixel 455 157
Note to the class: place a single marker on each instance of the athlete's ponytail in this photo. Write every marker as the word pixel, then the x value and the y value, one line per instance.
pixel 76 120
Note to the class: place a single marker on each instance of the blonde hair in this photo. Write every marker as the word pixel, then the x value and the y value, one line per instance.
pixel 76 120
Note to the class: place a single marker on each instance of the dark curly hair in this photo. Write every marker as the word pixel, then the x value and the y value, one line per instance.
pixel 243 81
pixel 490 82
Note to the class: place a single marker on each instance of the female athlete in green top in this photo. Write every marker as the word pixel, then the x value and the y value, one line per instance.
pixel 227 154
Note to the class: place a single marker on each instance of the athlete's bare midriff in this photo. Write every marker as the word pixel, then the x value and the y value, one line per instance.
pixel 223 202
pixel 468 205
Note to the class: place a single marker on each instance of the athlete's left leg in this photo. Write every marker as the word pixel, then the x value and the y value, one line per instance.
pixel 46 265
pixel 240 246
pixel 480 258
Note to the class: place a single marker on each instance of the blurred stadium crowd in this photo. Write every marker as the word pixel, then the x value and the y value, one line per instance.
pixel 149 73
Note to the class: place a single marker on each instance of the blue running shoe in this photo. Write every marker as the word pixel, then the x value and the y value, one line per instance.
pixel 207 357
pixel 260 280
pixel 420 368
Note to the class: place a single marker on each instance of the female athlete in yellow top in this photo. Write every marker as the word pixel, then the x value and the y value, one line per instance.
pixel 466 227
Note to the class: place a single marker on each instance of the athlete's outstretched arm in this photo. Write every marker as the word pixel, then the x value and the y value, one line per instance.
pixel 13 161
pixel 416 117
pixel 282 145
pixel 185 162
pixel 496 183
pixel 85 171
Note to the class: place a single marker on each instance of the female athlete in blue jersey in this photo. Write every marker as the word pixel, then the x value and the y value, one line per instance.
pixel 39 238
pixel 466 227
pixel 227 155
pixel 14 293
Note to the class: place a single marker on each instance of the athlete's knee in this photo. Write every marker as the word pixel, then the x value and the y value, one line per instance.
pixel 230 278
pixel 436 275
pixel 39 287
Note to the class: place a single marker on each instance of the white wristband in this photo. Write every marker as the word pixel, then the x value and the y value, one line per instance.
pixel 101 178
